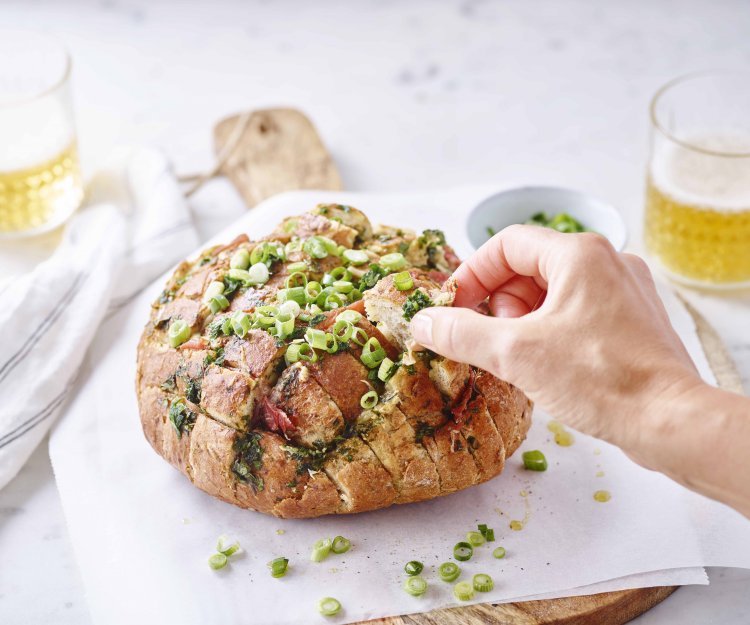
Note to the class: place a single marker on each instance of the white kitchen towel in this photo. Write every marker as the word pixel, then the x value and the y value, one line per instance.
pixel 134 225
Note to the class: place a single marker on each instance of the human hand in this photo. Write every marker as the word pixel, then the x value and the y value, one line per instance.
pixel 576 325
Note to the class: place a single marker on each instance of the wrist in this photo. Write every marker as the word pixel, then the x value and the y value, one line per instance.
pixel 699 436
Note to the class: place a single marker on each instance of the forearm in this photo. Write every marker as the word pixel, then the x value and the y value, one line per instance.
pixel 701 439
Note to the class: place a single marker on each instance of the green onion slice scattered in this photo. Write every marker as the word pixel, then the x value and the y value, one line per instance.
pixel 475 539
pixel 342 286
pixel 359 336
pixel 386 370
pixel 213 289
pixel 463 551
pixel 300 351
pixel 463 591
pixel 316 338
pixel 449 571
pixel 218 561
pixel 499 553
pixel 240 259
pixel 416 586
pixel 403 281
pixel 296 278
pixel 313 290
pixel 279 567
pixel 355 257
pixel 414 567
pixel 342 330
pixel 178 333
pixel 293 268
pixel 222 547
pixel 490 535
pixel 534 460
pixel 482 582
pixel 393 262
pixel 372 353
pixel 320 550
pixel 352 316
pixel 369 400
pixel 328 606
pixel 341 273
pixel 218 303
pixel 241 323
pixel 341 544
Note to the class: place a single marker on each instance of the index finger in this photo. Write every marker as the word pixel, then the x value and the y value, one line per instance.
pixel 517 250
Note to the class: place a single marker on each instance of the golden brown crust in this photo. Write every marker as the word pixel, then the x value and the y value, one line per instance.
pixel 292 440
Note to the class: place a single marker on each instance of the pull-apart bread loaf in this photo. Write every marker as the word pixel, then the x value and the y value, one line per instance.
pixel 279 375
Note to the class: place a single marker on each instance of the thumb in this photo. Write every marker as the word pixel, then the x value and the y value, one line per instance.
pixel 466 336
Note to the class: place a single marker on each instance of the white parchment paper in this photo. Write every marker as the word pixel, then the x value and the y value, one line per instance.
pixel 142 533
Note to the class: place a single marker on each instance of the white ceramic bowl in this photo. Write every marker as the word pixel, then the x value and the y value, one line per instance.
pixel 515 206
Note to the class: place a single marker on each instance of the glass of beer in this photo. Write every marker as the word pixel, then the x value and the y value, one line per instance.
pixel 40 180
pixel 697 218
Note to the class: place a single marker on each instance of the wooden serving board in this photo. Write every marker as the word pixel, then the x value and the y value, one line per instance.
pixel 274 150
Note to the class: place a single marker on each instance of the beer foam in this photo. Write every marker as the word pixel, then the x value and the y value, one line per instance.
pixel 703 180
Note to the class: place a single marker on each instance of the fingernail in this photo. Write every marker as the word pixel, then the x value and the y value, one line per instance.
pixel 421 329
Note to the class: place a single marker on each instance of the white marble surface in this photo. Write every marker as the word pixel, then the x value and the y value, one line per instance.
pixel 407 95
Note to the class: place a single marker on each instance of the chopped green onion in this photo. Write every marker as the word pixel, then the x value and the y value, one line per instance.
pixel 341 545
pixel 218 561
pixel 463 551
pixel 415 586
pixel 267 252
pixel 414 567
pixel 332 344
pixel 293 268
pixel 289 307
pixel 355 257
pixel 227 551
pixel 369 400
pixel 499 553
pixel 300 351
pixel 315 248
pixel 355 295
pixel 482 582
pixel 449 571
pixel 475 539
pixel 284 325
pixel 217 303
pixel 295 293
pixel 482 527
pixel 278 567
pixel 313 290
pixel 463 591
pixel 268 310
pixel 226 326
pixel 213 289
pixel 372 353
pixel 386 370
pixel 240 323
pixel 343 286
pixel 320 550
pixel 352 316
pixel 403 281
pixel 534 460
pixel 295 245
pixel 259 274
pixel 240 259
pixel 328 606
pixel 341 273
pixel 342 330
pixel 359 336
pixel 334 300
pixel 316 338
pixel 178 333
pixel 296 279
pixel 265 321
pixel 490 535
pixel 393 262
pixel 327 279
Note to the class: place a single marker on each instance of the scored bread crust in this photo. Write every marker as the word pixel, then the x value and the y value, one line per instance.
pixel 439 426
